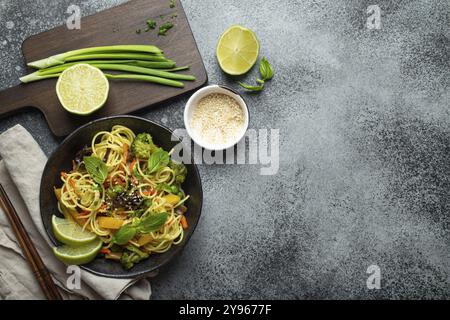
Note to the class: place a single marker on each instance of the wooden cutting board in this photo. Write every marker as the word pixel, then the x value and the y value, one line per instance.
pixel 117 25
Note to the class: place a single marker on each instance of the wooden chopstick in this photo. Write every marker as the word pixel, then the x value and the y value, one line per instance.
pixel 34 260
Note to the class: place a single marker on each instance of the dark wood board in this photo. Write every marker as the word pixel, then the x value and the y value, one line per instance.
pixel 117 25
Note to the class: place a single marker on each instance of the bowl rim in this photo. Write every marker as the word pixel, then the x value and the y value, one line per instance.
pixel 131 274
pixel 189 106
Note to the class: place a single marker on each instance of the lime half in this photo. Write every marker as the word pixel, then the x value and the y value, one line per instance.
pixel 82 89
pixel 237 50
pixel 70 233
pixel 78 255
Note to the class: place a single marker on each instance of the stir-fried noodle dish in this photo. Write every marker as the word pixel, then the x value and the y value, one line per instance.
pixel 127 191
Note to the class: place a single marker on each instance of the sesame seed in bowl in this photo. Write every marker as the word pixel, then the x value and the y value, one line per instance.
pixel 216 117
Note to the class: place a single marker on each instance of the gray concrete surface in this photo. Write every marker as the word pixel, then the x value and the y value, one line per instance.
pixel 364 145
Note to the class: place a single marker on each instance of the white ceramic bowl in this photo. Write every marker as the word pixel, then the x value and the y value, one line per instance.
pixel 192 103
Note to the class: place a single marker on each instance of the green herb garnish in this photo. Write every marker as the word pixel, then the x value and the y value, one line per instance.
pixel 96 168
pixel 172 4
pixel 250 87
pixel 265 69
pixel 151 24
pixel 124 234
pixel 152 223
pixel 164 28
pixel 173 16
pixel 266 72
pixel 145 225
pixel 164 187
pixel 158 159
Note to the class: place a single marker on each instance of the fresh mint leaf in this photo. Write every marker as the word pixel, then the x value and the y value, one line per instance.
pixel 265 69
pixel 148 224
pixel 158 159
pixel 96 168
pixel 152 222
pixel 124 234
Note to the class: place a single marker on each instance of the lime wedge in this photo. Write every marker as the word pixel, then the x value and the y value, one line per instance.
pixel 237 50
pixel 78 255
pixel 82 89
pixel 70 233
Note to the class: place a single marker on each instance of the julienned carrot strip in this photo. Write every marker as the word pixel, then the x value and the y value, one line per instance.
pixel 105 251
pixel 184 222
pixel 149 192
pixel 132 164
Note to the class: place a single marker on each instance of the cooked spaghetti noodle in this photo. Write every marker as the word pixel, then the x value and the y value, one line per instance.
pixel 122 182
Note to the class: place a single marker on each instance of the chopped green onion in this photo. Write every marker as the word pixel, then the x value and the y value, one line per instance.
pixel 151 24
pixel 164 28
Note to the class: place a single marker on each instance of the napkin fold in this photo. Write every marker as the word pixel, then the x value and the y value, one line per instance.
pixel 21 169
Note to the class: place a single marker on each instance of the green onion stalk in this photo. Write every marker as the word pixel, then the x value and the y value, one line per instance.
pixel 119 56
pixel 51 72
pixel 140 62
pixel 145 64
pixel 146 71
pixel 139 77
pixel 152 79
pixel 115 50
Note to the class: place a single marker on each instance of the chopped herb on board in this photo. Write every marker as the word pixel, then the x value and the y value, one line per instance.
pixel 172 4
pixel 151 24
pixel 164 28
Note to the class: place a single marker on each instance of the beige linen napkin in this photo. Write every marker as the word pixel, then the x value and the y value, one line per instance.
pixel 20 174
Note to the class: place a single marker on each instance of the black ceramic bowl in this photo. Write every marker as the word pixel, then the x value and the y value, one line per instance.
pixel 61 160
